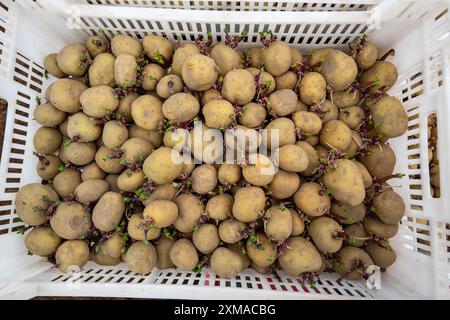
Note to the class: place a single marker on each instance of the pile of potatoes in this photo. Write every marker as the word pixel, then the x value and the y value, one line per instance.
pixel 114 124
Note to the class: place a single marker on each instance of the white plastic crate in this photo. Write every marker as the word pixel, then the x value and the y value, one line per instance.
pixel 418 31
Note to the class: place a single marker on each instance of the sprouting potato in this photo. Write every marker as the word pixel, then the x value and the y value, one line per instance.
pixel 348 214
pixel 218 113
pixel 381 76
pixel 284 184
pixel 345 261
pixel 312 199
pixel 125 71
pixel 155 137
pixel 389 207
pixel 51 65
pixel 375 226
pixel 279 223
pixel 326 234
pixel 31 200
pixel 181 54
pixel 248 203
pixel 49 116
pixel 157 48
pixel 345 98
pixel 265 78
pixel 226 263
pixel 345 182
pixel 209 95
pixel 389 117
pixel 82 128
pixel 301 257
pixel 352 116
pixel 81 153
pixel 238 86
pixel 252 115
pixel 204 179
pixel 42 241
pixel 139 230
pixel 169 85
pixel 105 159
pixel 125 44
pixel 163 165
pixel 72 255
pixel 206 238
pixel 92 171
pixel 136 150
pixel 73 59
pixel 381 253
pixel 287 80
pixel 260 170
pixel 190 209
pixel 96 44
pixel 338 69
pixel 225 57
pixel 335 134
pixel 219 207
pixel 277 58
pixel 292 158
pixel 253 56
pixel 282 129
pixel 114 134
pixel 355 235
pixel 151 75
pixel 367 56
pixel 162 213
pixel 180 107
pixel 70 221
pixel 141 257
pixel 199 72
pixel 313 158
pixel 47 140
pixel 65 95
pixel 48 168
pixel 231 231
pixel 307 122
pixel 261 250
pixel 379 160
pixel 147 112
pixel 108 211
pixel 313 88
pixel 66 181
pixel 184 255
pixel 283 102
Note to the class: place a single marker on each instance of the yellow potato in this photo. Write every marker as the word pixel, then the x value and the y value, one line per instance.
pixel 218 113
pixel 287 80
pixel 169 85
pixel 125 71
pixel 81 153
pixel 277 58
pixel 101 71
pixel 125 44
pixel 206 238
pixel 199 72
pixel 181 54
pixel 301 257
pixel 260 170
pixel 147 112
pixel 141 257
pixel 219 207
pixel 312 199
pixel 252 115
pixel 104 160
pixel 151 74
pixel 283 102
pixel 72 255
pixel 42 241
pixel 162 213
pixel 163 165
pixel 47 140
pixel 157 48
pixel 83 128
pixel 313 88
pixel 73 59
pixel 48 116
pixel 181 107
pixel 96 45
pixel 66 181
pixel 51 65
pixel 225 57
pixel 308 122
pixel 184 255
pixel 335 134
pixel 70 221
pixel 284 184
pixel 249 203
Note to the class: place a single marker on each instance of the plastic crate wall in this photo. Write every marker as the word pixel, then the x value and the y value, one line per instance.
pixel 425 231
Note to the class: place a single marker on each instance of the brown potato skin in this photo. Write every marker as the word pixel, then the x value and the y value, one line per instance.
pixel 323 231
pixel 125 44
pixel 230 231
pixel 47 140
pixel 335 134
pixel 66 182
pixel 346 258
pixel 303 257
pixel 180 107
pixel 264 254
pixel 70 221
pixel 49 116
pixel 279 225
pixel 284 184
pixel 219 207
pixel 69 59
pixel 283 102
pixel 338 69
pixel 101 71
pixel 248 203
pixel 141 257
pixel 189 211
pixel 277 58
pixel 199 72
pixel 312 199
pixel 91 190
pixel 92 171
pixel 226 263
pixel 312 88
pixel 48 168
pixel 51 65
pixel 238 87
pixel 379 161
pixel 381 253
pixel 389 207
pixel 163 246
pixel 390 117
pixel 146 112
pixel 206 238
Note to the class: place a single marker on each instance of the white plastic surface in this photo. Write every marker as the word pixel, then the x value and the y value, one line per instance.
pixel 417 30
